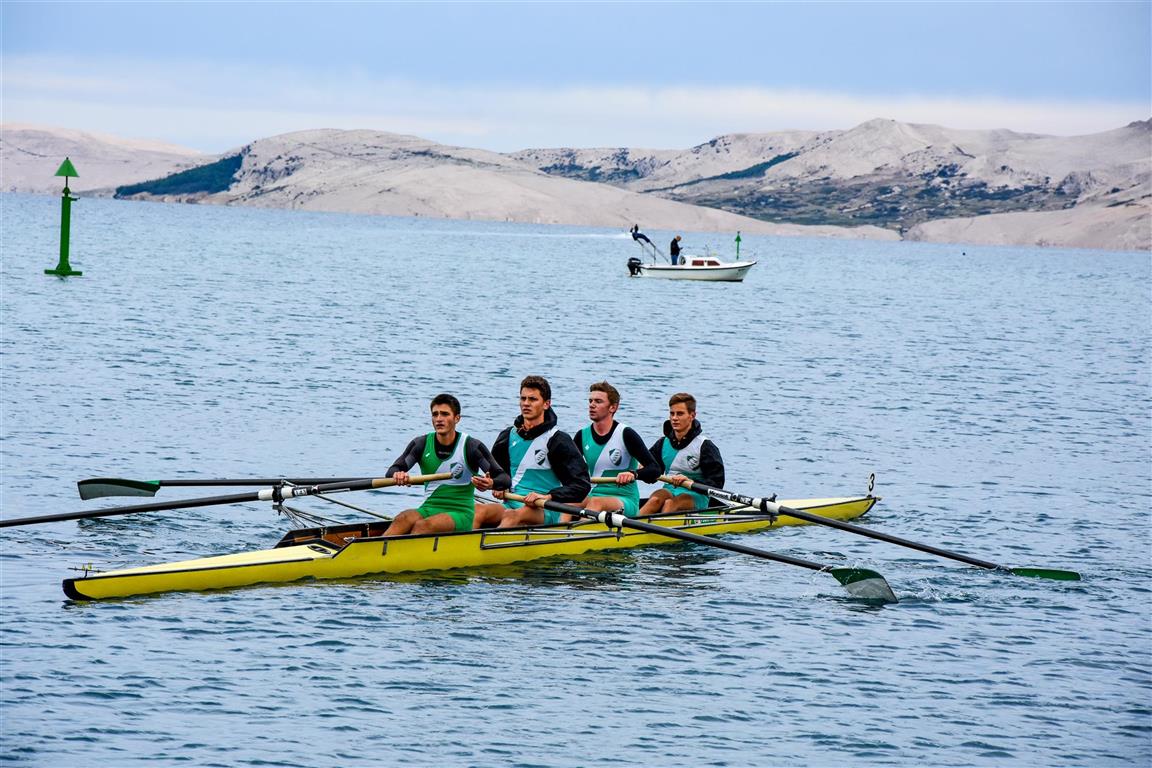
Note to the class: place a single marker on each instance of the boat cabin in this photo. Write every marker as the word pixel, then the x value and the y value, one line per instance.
pixel 703 261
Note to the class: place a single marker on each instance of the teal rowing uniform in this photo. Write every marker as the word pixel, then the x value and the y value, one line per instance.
pixel 531 469
pixel 456 496
pixel 685 461
pixel 609 460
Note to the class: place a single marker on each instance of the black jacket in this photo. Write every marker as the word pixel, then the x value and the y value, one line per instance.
pixel 711 464
pixel 566 459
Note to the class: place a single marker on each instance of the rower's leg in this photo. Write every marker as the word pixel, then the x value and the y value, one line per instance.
pixel 441 523
pixel 522 516
pixel 488 515
pixel 655 503
pixel 681 503
pixel 403 523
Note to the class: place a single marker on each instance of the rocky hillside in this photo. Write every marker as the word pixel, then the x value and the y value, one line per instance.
pixel 385 173
pixel 881 179
pixel 30 155
pixel 904 177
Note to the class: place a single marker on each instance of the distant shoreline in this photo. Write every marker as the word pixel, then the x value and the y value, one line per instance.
pixel 882 180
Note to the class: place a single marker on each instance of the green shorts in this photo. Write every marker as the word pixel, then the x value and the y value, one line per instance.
pixel 461 517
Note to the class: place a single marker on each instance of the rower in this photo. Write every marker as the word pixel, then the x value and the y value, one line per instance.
pixel 684 453
pixel 614 450
pixel 450 504
pixel 544 462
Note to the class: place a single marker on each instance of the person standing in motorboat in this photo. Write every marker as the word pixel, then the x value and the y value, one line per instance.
pixel 674 250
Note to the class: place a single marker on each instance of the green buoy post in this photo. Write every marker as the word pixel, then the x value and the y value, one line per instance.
pixel 64 269
pixel 737 245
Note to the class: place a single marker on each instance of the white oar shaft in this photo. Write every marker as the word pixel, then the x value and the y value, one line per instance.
pixel 278 493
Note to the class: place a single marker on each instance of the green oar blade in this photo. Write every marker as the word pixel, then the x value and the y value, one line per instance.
pixel 100 487
pixel 1046 573
pixel 864 584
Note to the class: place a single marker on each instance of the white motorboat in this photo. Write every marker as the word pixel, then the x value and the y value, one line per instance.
pixel 707 268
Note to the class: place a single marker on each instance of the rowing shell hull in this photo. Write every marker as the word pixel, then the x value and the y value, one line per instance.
pixel 348 551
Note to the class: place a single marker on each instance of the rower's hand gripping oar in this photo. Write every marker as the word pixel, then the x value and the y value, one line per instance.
pixel 100 487
pixel 277 494
pixel 861 583
pixel 771 507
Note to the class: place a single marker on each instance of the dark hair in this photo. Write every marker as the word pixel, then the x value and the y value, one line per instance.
pixel 538 383
pixel 683 397
pixel 608 389
pixel 446 399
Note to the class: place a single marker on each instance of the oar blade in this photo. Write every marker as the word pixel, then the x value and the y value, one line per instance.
pixel 1046 573
pixel 865 584
pixel 100 487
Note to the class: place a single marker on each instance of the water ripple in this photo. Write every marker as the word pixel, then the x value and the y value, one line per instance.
pixel 1002 398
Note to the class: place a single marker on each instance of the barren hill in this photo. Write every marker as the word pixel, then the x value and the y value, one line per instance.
pixel 906 177
pixel 882 179
pixel 30 155
pixel 385 173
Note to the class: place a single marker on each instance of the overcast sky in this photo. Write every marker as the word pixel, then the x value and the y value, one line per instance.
pixel 508 76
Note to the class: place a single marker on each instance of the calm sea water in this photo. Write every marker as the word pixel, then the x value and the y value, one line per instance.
pixel 1001 396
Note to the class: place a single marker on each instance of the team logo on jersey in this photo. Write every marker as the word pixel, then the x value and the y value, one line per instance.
pixel 615 456
pixel 540 457
pixel 457 470
pixel 692 461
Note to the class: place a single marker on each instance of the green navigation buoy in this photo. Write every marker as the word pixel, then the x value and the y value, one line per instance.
pixel 64 269
pixel 737 245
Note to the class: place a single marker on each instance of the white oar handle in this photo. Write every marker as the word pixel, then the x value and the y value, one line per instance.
pixel 276 494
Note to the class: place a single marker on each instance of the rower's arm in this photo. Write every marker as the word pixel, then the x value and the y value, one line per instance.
pixel 500 448
pixel 409 458
pixel 649 470
pixel 569 465
pixel 480 459
pixel 657 454
pixel 711 465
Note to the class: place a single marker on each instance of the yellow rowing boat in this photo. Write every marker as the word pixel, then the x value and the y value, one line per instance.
pixel 360 549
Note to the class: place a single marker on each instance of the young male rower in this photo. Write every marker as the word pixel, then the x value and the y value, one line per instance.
pixel 544 463
pixel 450 504
pixel 684 453
pixel 614 450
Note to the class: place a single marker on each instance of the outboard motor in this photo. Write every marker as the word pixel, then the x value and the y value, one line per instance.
pixel 634 266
